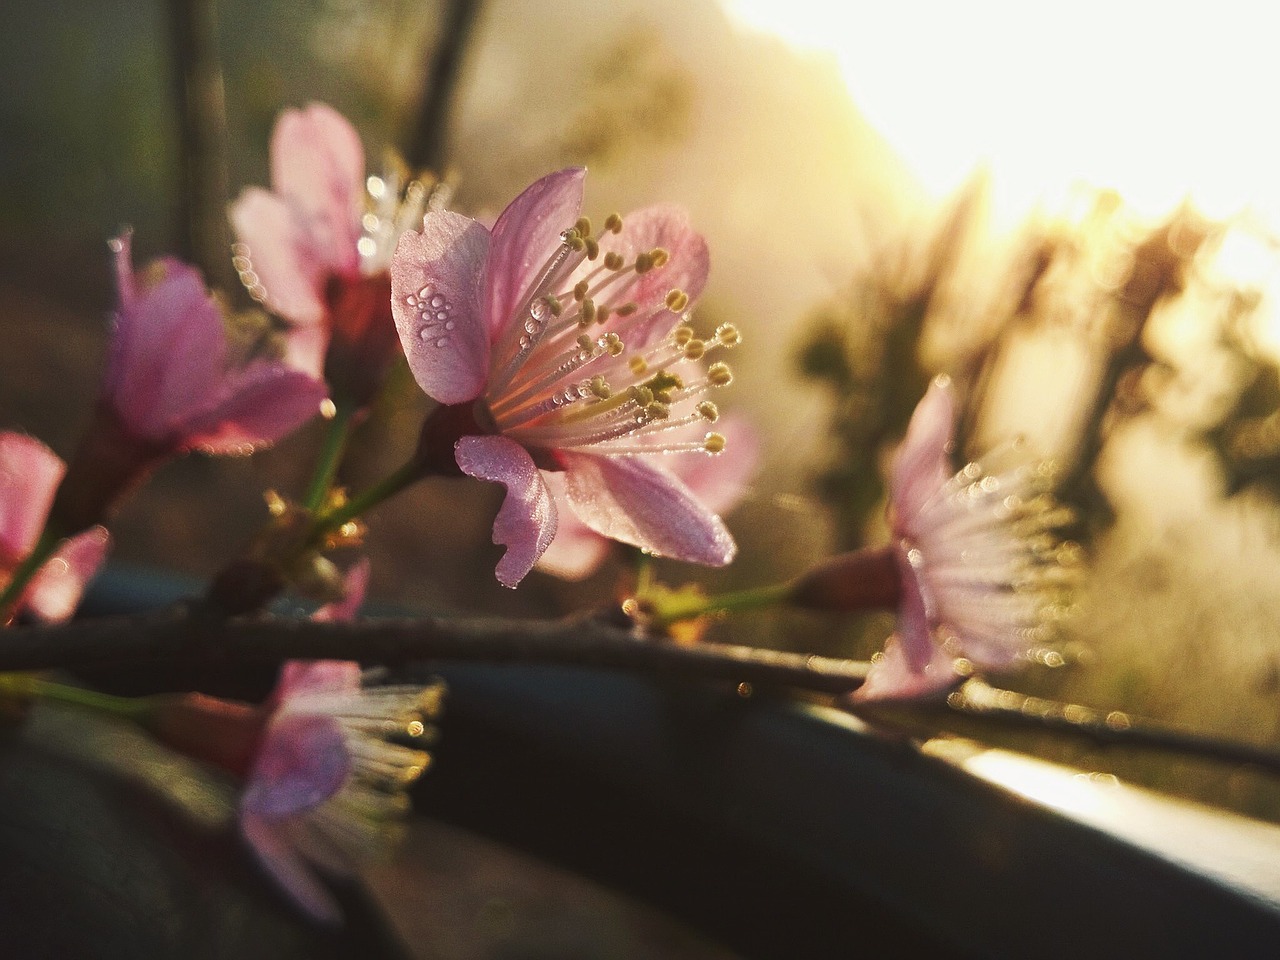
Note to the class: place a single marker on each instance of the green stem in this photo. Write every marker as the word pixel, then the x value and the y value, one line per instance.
pixel 30 686
pixel 337 433
pixel 360 504
pixel 43 549
pixel 753 599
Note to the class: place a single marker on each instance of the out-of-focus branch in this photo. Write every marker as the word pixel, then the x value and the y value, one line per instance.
pixel 203 180
pixel 426 146
pixel 176 637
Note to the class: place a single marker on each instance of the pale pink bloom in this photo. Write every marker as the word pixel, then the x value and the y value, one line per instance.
pixel 568 353
pixel 29 474
pixel 327 785
pixel 169 380
pixel 978 571
pixel 316 248
pixel 718 482
pixel 170 387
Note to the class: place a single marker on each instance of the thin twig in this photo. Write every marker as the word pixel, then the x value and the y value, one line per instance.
pixel 175 637
pixel 426 147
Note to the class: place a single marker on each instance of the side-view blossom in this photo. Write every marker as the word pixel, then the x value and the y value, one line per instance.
pixel 717 482
pixel 170 387
pixel 315 249
pixel 558 350
pixel 974 570
pixel 29 475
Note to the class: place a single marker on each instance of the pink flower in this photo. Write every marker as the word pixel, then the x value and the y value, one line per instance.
pixel 978 574
pixel 169 387
pixel 316 249
pixel 327 786
pixel 562 352
pixel 717 482
pixel 29 474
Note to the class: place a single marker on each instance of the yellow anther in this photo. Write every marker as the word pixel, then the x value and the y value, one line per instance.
pixel 682 335
pixel 575 241
pixel 553 304
pixel 276 504
pixel 677 300
pixel 719 375
pixel 588 311
pixel 643 396
pixel 613 343
pixel 714 443
pixel 708 411
pixel 613 260
pixel 659 256
pixel 613 223
pixel 600 387
pixel 728 335
pixel 657 411
pixel 644 262
pixel 694 349
pixel 580 290
pixel 639 365
pixel 583 226
pixel 593 248
pixel 585 342
pixel 328 409
pixel 602 313
pixel 627 309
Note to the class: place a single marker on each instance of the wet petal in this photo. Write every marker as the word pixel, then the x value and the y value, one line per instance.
pixel 576 550
pixel 55 591
pixel 524 236
pixel 317 164
pixel 626 499
pixel 355 584
pixel 526 522
pixel 298 677
pixel 287 266
pixel 720 480
pixel 435 299
pixel 894 677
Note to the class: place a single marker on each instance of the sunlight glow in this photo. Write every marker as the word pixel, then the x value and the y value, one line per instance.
pixel 1157 102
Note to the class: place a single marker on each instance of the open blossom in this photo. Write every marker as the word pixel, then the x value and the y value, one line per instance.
pixel 556 350
pixel 974 569
pixel 327 786
pixel 315 249
pixel 170 387
pixel 29 475
pixel 717 482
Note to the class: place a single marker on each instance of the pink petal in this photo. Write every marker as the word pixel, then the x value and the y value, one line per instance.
pixel 299 677
pixel 894 677
pixel 277 855
pixel 922 464
pixel 287 265
pixel 439 272
pixel 56 589
pixel 354 586
pixel 720 480
pixel 317 165
pixel 666 226
pixel 576 550
pixel 303 761
pixel 305 347
pixel 29 474
pixel 526 522
pixel 526 234
pixel 167 350
pixel 258 405
pixel 627 499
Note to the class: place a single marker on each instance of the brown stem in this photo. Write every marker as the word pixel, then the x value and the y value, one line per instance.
pixel 175 637
pixel 426 148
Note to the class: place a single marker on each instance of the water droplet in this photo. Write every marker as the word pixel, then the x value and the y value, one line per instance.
pixel 531 324
pixel 450 325
pixel 442 341
pixel 437 301
pixel 524 342
pixel 425 333
pixel 442 315
pixel 411 300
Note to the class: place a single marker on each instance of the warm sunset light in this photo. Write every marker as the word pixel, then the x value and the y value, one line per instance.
pixel 1156 102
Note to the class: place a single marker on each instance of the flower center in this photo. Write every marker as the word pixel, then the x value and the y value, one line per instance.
pixel 585 366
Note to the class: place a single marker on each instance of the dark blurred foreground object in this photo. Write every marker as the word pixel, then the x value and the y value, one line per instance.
pixel 774 828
